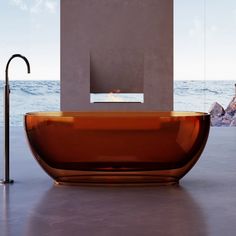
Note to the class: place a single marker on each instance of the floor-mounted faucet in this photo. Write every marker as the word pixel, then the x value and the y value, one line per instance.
pixel 7 179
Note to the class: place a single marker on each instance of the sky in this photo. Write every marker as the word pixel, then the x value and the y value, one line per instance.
pixel 204 39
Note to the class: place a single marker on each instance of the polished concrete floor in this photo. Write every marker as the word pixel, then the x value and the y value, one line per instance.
pixel 203 204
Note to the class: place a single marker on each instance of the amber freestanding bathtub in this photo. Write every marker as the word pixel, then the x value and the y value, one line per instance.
pixel 117 147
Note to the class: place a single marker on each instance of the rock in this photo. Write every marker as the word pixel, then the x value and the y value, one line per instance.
pixel 216 121
pixel 231 109
pixel 221 117
pixel 233 123
pixel 226 121
pixel 227 116
pixel 216 110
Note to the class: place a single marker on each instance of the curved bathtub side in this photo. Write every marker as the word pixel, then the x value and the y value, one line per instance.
pixel 37 157
pixel 201 143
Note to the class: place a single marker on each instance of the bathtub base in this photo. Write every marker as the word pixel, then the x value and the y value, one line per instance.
pixel 131 177
pixel 136 179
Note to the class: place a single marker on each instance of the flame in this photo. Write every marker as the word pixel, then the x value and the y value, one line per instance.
pixel 113 97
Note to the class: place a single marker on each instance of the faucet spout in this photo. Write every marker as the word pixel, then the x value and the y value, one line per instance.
pixel 8 63
pixel 7 179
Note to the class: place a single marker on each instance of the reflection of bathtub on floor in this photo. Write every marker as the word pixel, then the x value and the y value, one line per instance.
pixel 117 211
pixel 117 147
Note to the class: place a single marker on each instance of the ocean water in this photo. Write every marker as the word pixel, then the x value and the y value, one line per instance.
pixel 28 96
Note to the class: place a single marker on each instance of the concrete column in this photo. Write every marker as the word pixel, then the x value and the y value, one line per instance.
pixel 116 44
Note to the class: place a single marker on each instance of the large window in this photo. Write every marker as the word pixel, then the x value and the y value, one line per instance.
pixel 205 53
pixel 30 28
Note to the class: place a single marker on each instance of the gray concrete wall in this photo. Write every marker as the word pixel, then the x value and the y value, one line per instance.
pixel 116 44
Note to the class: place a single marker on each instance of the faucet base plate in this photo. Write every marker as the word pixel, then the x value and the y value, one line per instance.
pixel 10 181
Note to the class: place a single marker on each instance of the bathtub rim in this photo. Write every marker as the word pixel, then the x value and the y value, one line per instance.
pixel 117 114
